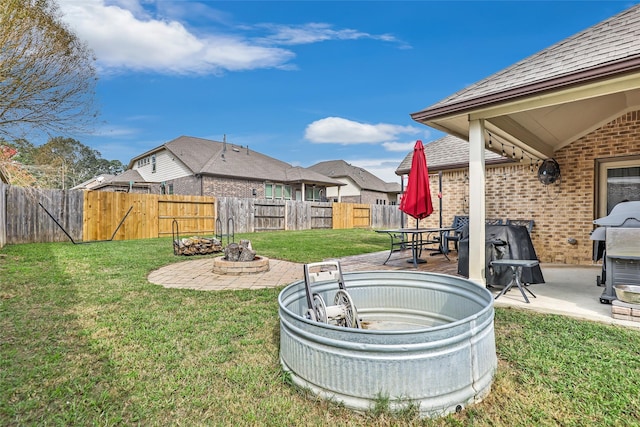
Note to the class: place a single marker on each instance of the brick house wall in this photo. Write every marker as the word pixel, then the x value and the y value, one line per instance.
pixel 188 185
pixel 368 197
pixel 228 187
pixel 560 211
pixel 222 187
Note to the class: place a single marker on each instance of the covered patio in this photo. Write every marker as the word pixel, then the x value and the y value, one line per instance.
pixel 568 290
pixel 540 106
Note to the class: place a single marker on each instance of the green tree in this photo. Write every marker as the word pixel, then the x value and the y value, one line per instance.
pixel 62 162
pixel 72 162
pixel 47 75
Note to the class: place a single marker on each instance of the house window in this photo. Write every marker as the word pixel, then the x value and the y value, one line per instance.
pixel 277 191
pixel 153 164
pixel 313 194
pixel 170 188
pixel 144 161
pixel 619 180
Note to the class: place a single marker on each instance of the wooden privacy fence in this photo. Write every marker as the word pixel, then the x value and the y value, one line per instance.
pixel 143 216
pixel 351 215
pixel 29 213
pixel 34 215
pixel 3 214
pixel 252 215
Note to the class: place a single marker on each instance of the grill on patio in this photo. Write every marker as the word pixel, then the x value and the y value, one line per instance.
pixel 620 232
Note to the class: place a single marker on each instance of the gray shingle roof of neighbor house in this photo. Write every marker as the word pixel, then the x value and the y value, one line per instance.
pixel 363 178
pixel 214 158
pixel 94 182
pixel 125 178
pixel 448 152
pixel 604 50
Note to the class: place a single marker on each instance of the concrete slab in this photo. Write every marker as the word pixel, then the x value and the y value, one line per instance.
pixel 568 291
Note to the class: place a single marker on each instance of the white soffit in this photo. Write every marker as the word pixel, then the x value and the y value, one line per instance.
pixel 543 123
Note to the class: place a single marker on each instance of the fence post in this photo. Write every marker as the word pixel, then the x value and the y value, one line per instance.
pixel 3 214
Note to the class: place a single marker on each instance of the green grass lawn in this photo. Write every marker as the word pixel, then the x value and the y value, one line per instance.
pixel 86 340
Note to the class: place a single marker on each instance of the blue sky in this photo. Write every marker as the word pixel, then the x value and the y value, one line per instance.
pixel 302 81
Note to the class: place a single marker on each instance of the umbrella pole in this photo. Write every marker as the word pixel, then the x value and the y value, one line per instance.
pixel 402 192
pixel 440 195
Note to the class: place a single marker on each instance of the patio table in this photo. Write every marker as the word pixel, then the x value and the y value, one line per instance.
pixel 404 238
pixel 516 266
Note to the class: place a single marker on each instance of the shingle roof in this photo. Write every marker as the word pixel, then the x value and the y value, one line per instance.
pixel 298 174
pixel 193 152
pixel 93 182
pixel 214 158
pixel 448 152
pixel 363 178
pixel 126 176
pixel 613 43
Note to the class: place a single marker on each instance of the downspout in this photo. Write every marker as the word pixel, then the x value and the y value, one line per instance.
pixel 199 176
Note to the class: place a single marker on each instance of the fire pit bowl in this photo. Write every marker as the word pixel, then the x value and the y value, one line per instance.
pixel 240 268
pixel 426 340
pixel 628 293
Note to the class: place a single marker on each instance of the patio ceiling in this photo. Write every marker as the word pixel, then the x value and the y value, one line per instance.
pixel 544 102
pixel 540 123
pixel 540 105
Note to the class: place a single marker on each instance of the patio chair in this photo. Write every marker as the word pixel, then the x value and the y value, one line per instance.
pixel 524 222
pixel 459 221
pixel 493 221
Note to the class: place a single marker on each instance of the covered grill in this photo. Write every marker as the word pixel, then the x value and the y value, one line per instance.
pixel 617 241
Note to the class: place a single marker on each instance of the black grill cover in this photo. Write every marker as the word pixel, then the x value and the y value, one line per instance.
pixel 502 242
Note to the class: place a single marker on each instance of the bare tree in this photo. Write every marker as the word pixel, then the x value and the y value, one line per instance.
pixel 47 75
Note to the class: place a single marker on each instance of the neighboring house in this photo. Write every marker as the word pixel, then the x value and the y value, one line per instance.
pixel 196 166
pixel 130 181
pixel 360 186
pixel 578 102
pixel 94 182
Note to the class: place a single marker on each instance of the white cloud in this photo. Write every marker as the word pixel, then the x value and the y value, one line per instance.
pixel 126 38
pixel 336 130
pixel 382 168
pixel 404 147
pixel 145 36
pixel 316 32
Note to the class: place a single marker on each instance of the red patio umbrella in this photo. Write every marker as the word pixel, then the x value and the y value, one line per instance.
pixel 416 200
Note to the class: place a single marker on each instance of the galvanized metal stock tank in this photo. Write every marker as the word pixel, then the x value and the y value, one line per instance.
pixel 429 341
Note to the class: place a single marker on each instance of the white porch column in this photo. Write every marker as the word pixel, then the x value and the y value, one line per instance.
pixel 303 191
pixel 476 203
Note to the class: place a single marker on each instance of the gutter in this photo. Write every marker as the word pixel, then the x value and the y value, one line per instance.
pixel 461 165
pixel 626 66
